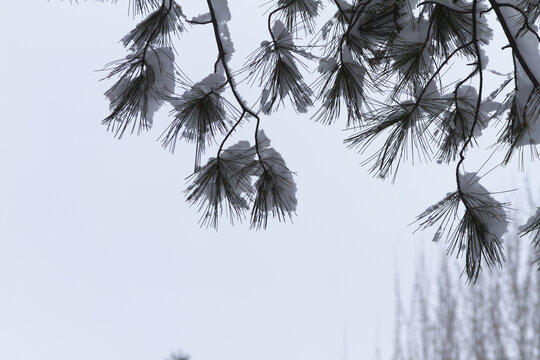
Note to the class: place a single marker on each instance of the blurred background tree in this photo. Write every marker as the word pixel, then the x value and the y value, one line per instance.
pixel 498 318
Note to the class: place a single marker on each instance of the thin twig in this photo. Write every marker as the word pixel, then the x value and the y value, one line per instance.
pixel 230 79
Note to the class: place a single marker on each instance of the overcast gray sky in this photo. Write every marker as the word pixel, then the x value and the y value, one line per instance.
pixel 100 256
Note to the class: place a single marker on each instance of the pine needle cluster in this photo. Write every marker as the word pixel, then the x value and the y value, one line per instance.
pixel 146 76
pixel 223 184
pixel 237 181
pixel 277 65
pixel 145 79
pixel 478 233
pixel 200 115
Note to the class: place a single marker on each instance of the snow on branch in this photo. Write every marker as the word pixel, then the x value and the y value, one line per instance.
pixel 274 191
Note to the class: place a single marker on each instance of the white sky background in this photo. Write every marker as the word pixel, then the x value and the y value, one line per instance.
pixel 100 256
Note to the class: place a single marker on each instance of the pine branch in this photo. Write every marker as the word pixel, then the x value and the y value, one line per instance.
pixel 408 121
pixel 367 47
pixel 274 190
pixel 480 241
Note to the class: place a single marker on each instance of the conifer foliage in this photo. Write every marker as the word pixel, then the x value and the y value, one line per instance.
pixel 408 44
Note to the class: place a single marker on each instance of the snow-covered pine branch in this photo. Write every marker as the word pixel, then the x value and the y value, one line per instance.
pixel 364 50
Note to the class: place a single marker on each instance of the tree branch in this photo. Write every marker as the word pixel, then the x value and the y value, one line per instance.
pixel 272 14
pixel 194 22
pixel 478 70
pixel 230 79
pixel 497 8
pixel 526 24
